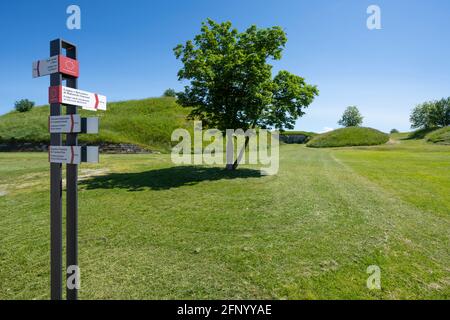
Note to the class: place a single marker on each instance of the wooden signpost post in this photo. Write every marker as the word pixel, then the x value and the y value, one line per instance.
pixel 65 68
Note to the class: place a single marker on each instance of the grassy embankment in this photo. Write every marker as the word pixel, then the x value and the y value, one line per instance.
pixel 347 137
pixel 148 123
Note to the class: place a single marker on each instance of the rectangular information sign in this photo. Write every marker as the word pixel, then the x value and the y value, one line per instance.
pixel 56 64
pixel 64 154
pixel 72 123
pixel 65 124
pixel 72 154
pixel 75 97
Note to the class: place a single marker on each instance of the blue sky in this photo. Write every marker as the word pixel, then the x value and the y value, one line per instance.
pixel 125 50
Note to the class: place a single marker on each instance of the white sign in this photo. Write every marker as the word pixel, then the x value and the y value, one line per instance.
pixel 56 64
pixel 72 124
pixel 90 154
pixel 64 154
pixel 89 125
pixel 65 124
pixel 72 154
pixel 75 97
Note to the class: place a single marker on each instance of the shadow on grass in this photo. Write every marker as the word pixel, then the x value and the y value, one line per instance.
pixel 166 178
pixel 419 134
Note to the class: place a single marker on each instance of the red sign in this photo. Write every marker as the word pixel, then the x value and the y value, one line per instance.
pixel 56 64
pixel 68 66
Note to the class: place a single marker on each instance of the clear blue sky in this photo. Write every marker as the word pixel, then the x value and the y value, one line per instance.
pixel 125 50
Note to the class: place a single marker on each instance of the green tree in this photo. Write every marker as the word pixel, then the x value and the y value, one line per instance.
pixel 431 114
pixel 23 105
pixel 394 131
pixel 440 113
pixel 170 93
pixel 231 83
pixel 351 117
pixel 420 116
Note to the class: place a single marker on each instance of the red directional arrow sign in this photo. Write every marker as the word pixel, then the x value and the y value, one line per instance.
pixel 75 97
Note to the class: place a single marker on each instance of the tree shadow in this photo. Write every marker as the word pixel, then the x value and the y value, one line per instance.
pixel 419 134
pixel 166 178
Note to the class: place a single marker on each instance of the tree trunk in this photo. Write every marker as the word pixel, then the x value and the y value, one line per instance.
pixel 241 154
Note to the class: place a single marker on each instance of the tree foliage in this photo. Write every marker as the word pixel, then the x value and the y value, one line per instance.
pixel 351 117
pixel 23 105
pixel 231 83
pixel 431 114
pixel 170 93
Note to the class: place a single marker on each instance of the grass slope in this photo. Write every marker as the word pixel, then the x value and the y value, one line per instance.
pixel 304 133
pixel 152 230
pixel 346 137
pixel 440 136
pixel 148 123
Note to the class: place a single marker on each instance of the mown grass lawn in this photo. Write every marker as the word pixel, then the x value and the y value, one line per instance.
pixel 149 230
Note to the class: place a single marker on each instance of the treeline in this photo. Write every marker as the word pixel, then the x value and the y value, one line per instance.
pixel 431 114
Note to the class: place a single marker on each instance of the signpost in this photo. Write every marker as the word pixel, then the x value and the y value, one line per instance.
pixel 66 68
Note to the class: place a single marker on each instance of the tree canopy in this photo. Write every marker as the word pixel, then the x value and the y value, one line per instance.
pixel 431 114
pixel 230 79
pixel 351 117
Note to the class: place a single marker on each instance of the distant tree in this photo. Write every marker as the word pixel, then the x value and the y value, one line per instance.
pixel 231 83
pixel 440 113
pixel 170 93
pixel 420 116
pixel 351 117
pixel 394 131
pixel 431 114
pixel 23 105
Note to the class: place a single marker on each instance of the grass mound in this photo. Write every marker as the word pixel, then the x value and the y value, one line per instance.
pixel 347 137
pixel 440 136
pixel 420 134
pixel 298 133
pixel 148 123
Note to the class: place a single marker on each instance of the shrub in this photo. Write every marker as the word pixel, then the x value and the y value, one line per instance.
pixel 23 105
pixel 170 93
pixel 394 131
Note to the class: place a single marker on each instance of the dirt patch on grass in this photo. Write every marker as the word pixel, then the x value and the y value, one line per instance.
pixel 393 141
pixel 87 173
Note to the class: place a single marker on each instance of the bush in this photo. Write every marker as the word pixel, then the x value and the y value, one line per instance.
pixel 394 131
pixel 170 93
pixel 347 137
pixel 24 105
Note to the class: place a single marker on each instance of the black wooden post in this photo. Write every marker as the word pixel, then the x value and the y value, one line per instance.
pixel 72 186
pixel 66 68
pixel 55 194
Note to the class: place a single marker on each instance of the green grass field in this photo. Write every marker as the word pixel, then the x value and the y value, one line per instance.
pixel 150 230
